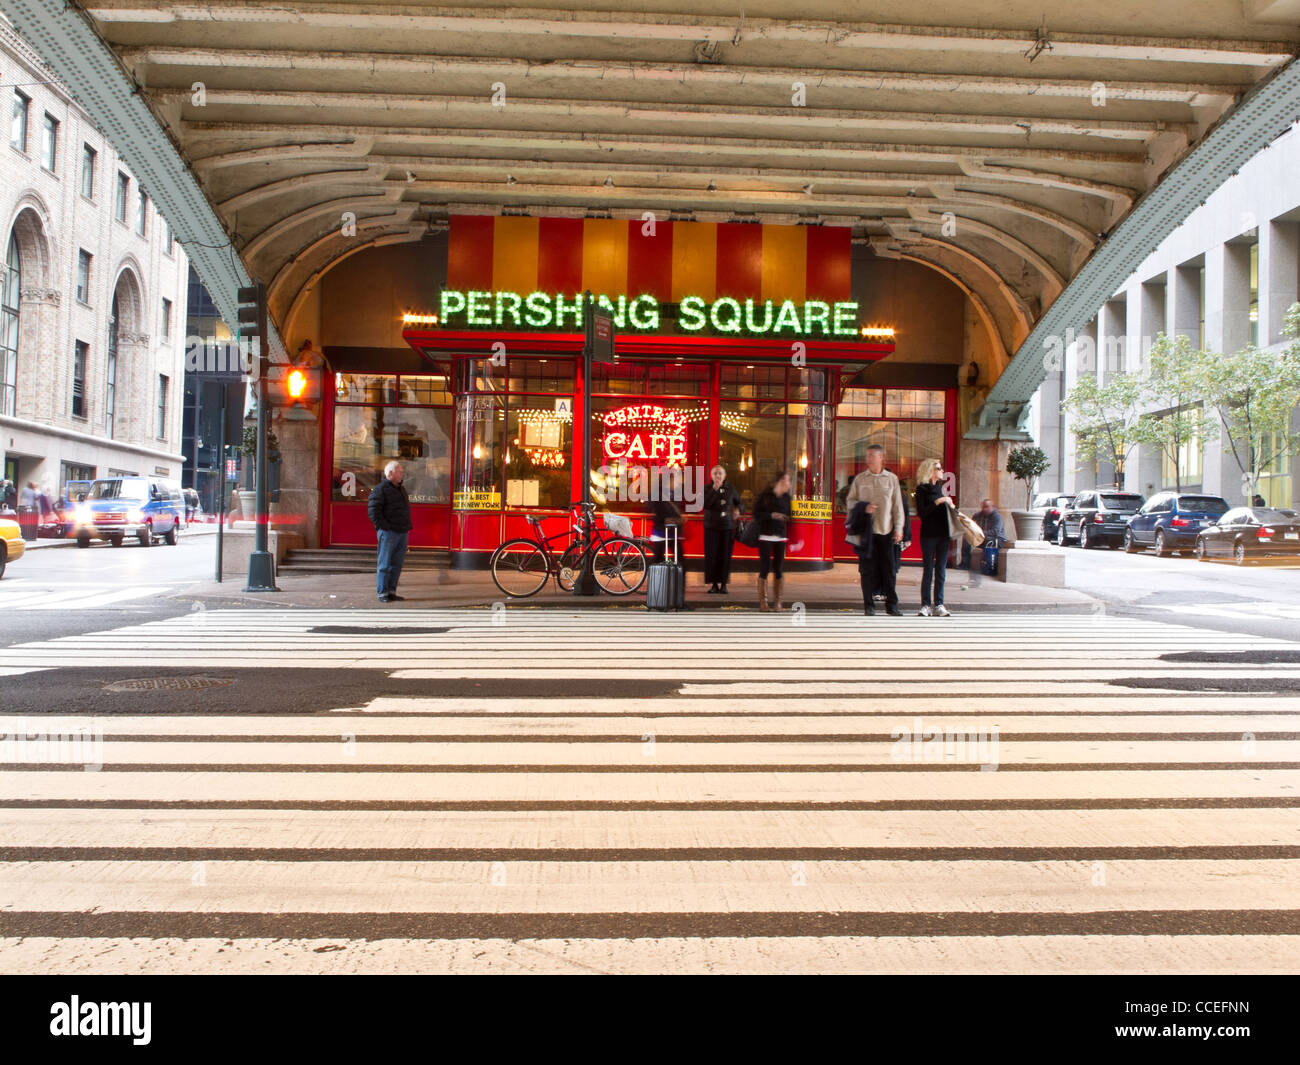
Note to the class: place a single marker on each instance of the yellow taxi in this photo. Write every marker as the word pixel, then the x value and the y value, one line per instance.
pixel 11 543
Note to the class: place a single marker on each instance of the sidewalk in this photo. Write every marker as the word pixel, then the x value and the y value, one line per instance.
pixel 835 589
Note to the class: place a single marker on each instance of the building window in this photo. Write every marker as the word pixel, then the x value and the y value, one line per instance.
pixel 142 213
pixel 162 406
pixel 170 246
pixel 167 319
pixel 83 276
pixel 12 280
pixel 1187 471
pixel 18 128
pixel 50 143
pixel 1254 294
pixel 123 190
pixel 909 424
pixel 88 157
pixel 75 472
pixel 1275 475
pixel 80 356
pixel 110 376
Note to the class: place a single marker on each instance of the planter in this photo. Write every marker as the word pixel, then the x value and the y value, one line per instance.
pixel 247 506
pixel 1029 525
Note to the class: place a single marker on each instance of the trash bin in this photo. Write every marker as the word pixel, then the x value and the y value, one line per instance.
pixel 29 519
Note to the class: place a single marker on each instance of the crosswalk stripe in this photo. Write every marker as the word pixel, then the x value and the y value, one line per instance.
pixel 844 784
pixel 76 599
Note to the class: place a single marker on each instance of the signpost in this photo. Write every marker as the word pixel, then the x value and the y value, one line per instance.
pixel 598 347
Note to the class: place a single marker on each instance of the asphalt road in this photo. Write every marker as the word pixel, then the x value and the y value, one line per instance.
pixel 1261 598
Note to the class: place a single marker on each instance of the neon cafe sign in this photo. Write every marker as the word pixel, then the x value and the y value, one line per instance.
pixel 754 318
pixel 645 433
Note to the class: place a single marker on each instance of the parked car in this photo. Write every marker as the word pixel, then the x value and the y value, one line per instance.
pixel 1052 505
pixel 11 543
pixel 1170 521
pixel 1250 532
pixel 1097 517
pixel 117 507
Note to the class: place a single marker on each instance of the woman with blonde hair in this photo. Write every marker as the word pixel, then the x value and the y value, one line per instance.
pixel 932 508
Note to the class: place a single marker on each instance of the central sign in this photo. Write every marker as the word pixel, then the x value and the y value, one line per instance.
pixel 646 433
pixel 726 314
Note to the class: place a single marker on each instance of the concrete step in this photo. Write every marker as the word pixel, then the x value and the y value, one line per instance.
pixel 355 560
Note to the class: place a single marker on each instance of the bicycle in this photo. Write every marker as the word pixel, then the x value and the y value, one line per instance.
pixel 521 567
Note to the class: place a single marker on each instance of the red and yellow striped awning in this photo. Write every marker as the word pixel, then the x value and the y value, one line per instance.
pixel 669 261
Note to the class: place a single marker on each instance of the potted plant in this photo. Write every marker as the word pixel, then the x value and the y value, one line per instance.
pixel 248 447
pixel 1027 464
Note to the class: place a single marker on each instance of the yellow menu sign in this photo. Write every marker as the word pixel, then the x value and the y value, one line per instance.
pixel 476 500
pixel 816 509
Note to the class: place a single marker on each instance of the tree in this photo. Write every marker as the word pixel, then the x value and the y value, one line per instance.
pixel 1255 394
pixel 1104 418
pixel 1027 464
pixel 1174 385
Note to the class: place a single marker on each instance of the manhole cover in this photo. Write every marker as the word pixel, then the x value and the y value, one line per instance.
pixel 168 684
pixel 366 630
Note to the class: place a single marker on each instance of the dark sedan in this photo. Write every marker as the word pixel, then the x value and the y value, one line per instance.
pixel 1250 532
pixel 1097 518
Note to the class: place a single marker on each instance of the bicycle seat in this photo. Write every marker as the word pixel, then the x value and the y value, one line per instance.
pixel 533 521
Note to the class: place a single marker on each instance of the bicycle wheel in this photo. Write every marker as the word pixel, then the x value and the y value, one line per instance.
pixel 570 567
pixel 620 566
pixel 520 568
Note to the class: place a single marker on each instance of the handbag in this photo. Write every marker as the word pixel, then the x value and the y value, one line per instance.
pixel 965 527
pixel 748 533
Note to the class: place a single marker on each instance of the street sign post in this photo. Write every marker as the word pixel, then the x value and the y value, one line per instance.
pixel 598 346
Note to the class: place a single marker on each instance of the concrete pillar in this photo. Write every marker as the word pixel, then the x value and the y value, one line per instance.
pixel 1216 269
pixel 1151 318
pixel 1235 294
pixel 1279 278
pixel 1183 299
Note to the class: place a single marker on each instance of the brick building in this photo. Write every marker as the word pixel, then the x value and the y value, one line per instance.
pixel 92 295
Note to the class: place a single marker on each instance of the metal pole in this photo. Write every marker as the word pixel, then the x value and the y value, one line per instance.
pixel 221 475
pixel 261 570
pixel 586 582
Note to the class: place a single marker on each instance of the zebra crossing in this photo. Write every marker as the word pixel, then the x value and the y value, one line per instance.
pixel 20 595
pixel 721 792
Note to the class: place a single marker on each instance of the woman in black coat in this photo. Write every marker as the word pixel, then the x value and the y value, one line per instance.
pixel 721 509
pixel 772 511
pixel 932 508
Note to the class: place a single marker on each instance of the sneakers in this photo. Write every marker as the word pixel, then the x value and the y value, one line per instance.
pixel 941 611
pixel 924 612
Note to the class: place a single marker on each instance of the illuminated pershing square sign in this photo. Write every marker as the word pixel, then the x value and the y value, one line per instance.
pixel 726 314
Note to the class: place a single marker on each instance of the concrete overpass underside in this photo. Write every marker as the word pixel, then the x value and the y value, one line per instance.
pixel 1012 150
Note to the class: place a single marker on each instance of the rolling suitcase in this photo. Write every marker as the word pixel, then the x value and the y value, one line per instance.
pixel 666 581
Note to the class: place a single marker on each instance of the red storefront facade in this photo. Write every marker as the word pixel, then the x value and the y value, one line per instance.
pixel 488 428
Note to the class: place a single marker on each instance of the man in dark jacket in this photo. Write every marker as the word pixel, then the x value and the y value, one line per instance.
pixel 390 514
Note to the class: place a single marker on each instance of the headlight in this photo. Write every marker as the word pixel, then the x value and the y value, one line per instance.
pixel 135 517
pixel 81 513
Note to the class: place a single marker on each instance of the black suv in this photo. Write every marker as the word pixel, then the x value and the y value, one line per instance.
pixel 1052 505
pixel 1098 517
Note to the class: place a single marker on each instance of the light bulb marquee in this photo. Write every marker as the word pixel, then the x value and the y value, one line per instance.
pixel 725 315
pixel 646 433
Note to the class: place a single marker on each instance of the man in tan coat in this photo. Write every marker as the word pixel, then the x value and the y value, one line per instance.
pixel 880 490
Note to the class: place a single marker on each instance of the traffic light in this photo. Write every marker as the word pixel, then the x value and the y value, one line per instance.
pixel 290 386
pixel 252 318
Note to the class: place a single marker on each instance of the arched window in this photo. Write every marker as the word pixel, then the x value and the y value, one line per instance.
pixel 11 280
pixel 110 391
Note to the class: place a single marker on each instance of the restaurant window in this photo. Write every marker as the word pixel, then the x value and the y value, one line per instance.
pixel 647 433
pixel 908 423
pixel 381 417
pixel 515 433
pixel 784 425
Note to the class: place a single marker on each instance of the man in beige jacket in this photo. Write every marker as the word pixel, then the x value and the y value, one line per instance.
pixel 880 490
